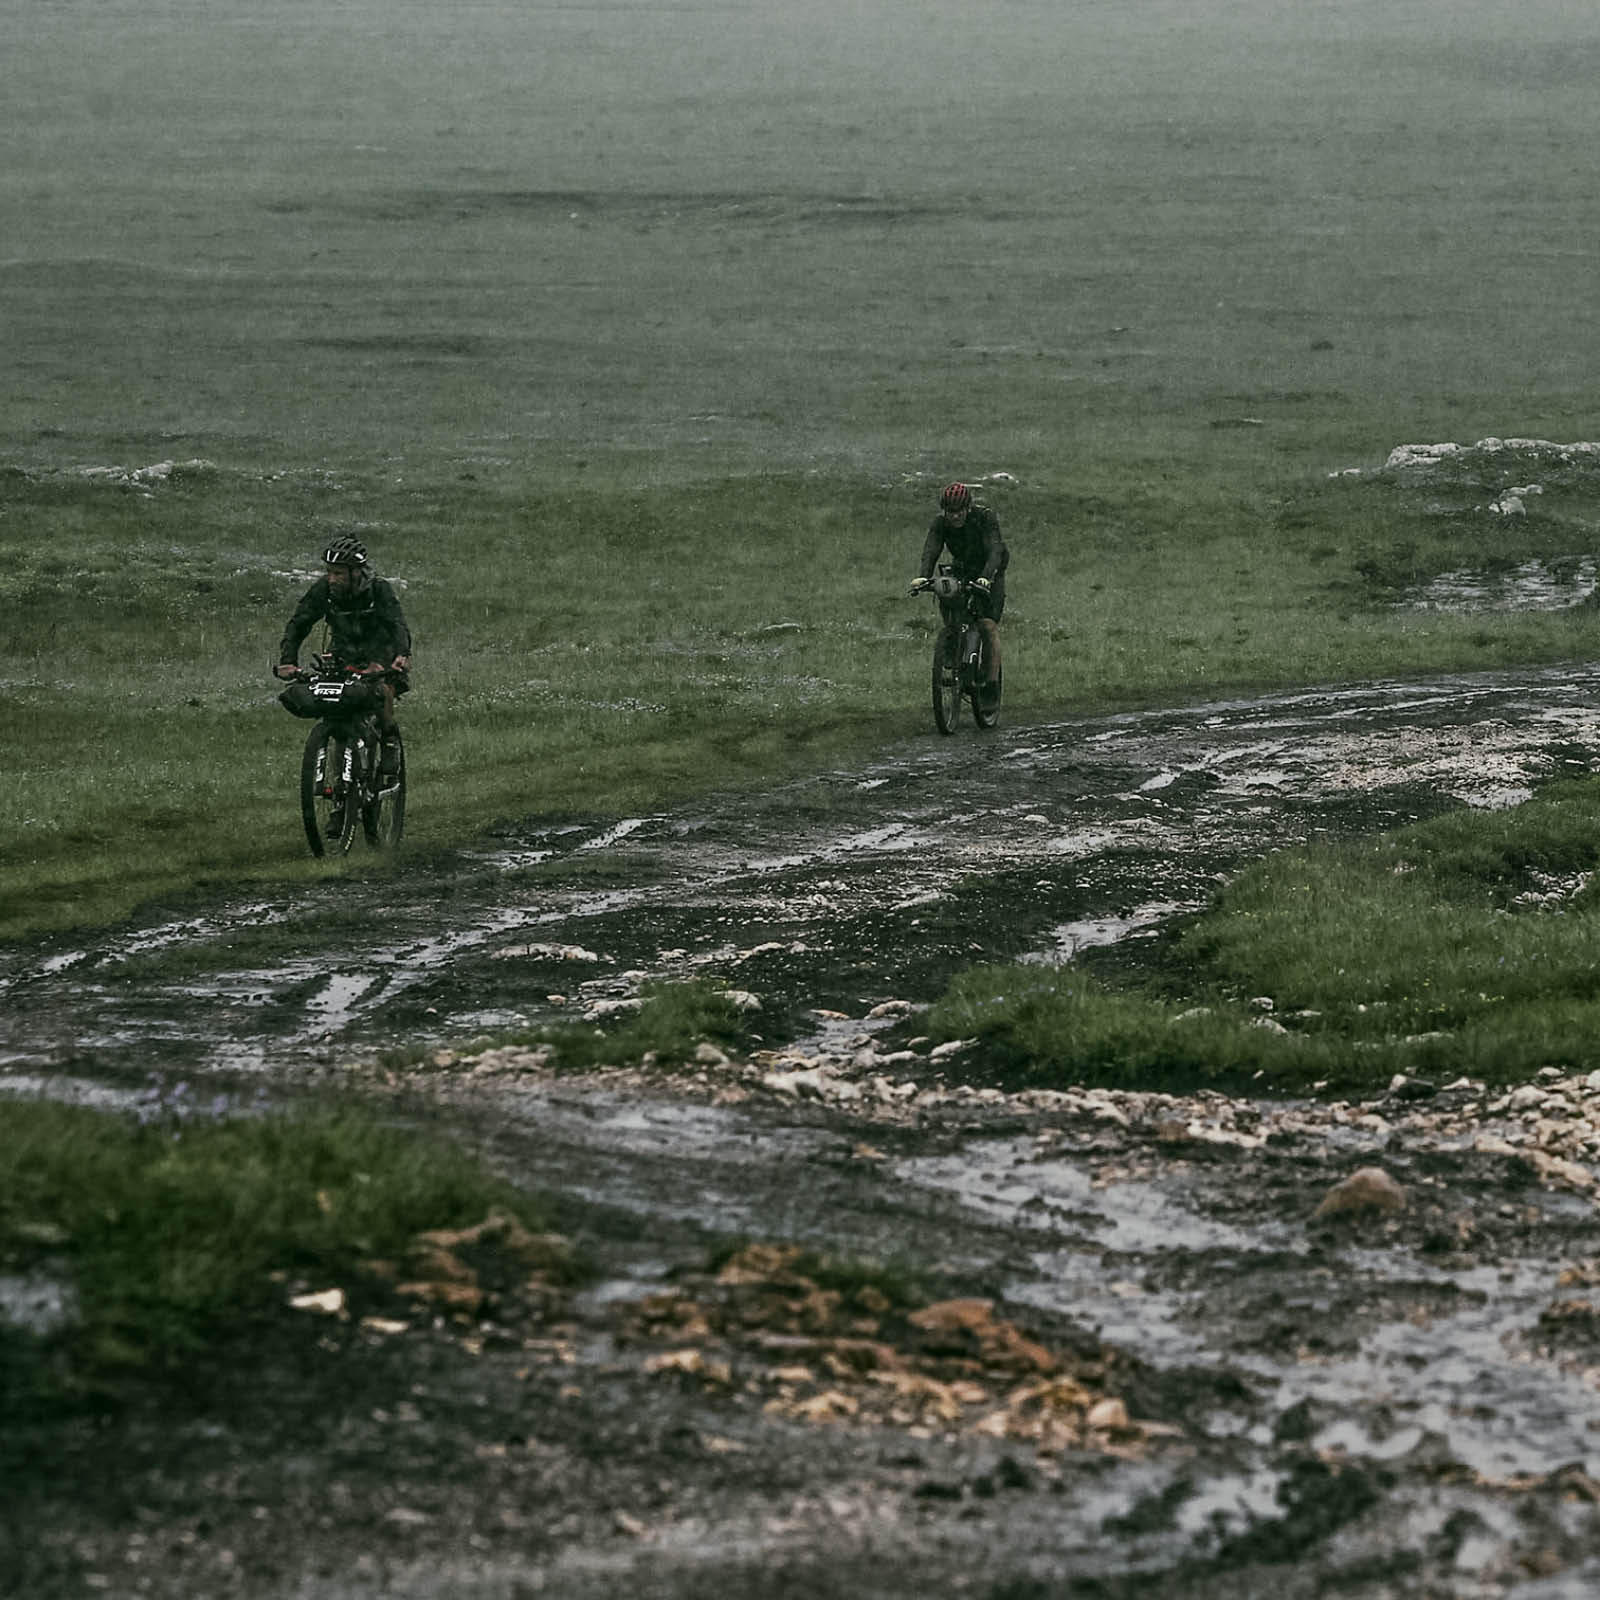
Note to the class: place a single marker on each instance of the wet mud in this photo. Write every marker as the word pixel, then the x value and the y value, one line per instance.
pixel 1398 1396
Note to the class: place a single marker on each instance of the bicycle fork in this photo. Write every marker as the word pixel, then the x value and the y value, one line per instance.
pixel 971 655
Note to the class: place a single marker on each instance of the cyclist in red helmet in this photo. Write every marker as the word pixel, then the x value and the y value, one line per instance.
pixel 970 531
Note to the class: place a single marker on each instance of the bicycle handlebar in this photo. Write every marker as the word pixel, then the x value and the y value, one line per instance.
pixel 327 669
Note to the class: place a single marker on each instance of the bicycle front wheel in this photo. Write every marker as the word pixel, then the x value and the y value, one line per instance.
pixel 946 682
pixel 384 816
pixel 328 811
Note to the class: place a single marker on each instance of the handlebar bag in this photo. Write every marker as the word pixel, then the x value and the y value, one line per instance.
pixel 331 697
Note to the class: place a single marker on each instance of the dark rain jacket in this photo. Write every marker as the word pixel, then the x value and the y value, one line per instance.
pixel 366 626
pixel 976 548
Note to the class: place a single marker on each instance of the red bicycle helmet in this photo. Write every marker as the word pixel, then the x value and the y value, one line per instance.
pixel 955 497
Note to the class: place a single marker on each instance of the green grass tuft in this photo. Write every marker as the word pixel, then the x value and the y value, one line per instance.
pixel 174 1241
pixel 674 1019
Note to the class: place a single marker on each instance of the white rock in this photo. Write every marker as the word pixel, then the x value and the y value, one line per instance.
pixel 795 1084
pixel 1368 1189
pixel 328 1302
pixel 611 1008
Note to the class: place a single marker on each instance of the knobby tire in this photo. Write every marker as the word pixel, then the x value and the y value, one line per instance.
pixel 946 681
pixel 315 767
pixel 384 817
pixel 986 709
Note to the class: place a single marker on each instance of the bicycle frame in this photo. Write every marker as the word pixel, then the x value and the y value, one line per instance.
pixel 341 778
pixel 960 656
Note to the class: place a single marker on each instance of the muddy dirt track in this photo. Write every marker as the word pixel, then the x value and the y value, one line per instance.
pixel 1137 1363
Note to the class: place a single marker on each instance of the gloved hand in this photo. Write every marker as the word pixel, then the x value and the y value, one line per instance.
pixel 982 585
pixel 285 669
pixel 918 585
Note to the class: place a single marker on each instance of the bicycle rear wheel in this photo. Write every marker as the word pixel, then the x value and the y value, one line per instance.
pixel 946 682
pixel 384 815
pixel 986 703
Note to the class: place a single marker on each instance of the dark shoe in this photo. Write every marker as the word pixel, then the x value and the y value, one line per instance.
pixel 389 758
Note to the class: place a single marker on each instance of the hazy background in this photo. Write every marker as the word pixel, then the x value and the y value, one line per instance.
pixel 713 238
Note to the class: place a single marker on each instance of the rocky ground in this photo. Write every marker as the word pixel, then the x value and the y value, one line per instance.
pixel 1111 1344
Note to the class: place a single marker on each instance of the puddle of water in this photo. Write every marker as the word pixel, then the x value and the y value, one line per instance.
pixel 644 1280
pixel 617 833
pixel 715 1146
pixel 1230 1504
pixel 1464 1378
pixel 1532 586
pixel 167 934
pixel 1581 1583
pixel 1007 1180
pixel 71 1091
pixel 1102 1285
pixel 1071 937
pixel 335 1003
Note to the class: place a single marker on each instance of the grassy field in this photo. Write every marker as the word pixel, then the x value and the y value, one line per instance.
pixel 636 339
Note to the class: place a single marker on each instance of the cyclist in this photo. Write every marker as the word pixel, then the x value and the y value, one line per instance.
pixel 368 628
pixel 979 557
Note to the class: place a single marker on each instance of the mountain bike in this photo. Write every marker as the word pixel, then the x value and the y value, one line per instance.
pixel 342 784
pixel 961 656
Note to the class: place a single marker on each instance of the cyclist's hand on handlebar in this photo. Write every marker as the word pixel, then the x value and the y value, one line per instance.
pixel 982 585
pixel 400 663
pixel 286 669
pixel 920 585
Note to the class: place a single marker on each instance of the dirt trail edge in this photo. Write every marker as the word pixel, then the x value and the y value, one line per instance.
pixel 1121 1344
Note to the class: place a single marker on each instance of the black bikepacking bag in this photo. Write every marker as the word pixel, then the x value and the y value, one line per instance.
pixel 331 697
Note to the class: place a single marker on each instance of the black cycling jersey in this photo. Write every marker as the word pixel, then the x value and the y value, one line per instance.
pixel 976 547
pixel 366 626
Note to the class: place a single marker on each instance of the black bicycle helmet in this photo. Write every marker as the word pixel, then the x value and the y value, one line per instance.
pixel 345 552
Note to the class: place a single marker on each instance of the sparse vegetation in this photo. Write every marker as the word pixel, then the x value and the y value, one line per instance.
pixel 1464 944
pixel 176 1240
pixel 663 1025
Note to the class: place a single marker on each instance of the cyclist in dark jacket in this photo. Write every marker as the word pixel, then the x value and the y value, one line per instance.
pixel 978 555
pixel 368 628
